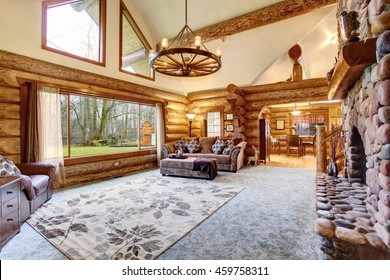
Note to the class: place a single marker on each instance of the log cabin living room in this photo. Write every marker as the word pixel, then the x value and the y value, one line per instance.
pixel 257 132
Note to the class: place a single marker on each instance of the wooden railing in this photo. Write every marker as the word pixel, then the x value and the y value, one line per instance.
pixel 330 145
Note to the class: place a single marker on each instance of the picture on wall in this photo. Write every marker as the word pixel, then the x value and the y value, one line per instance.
pixel 229 117
pixel 279 124
pixel 229 127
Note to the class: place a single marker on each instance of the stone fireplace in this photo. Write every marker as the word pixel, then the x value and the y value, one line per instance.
pixel 354 210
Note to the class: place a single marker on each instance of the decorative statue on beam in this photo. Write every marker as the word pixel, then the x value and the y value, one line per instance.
pixel 295 53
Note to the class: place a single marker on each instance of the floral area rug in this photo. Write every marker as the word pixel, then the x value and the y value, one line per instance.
pixel 138 219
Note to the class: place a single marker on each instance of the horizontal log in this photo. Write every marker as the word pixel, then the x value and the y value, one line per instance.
pixel 107 165
pixel 9 145
pixel 180 120
pixel 282 86
pixel 250 124
pixel 75 180
pixel 276 133
pixel 253 133
pixel 281 115
pixel 9 128
pixel 251 106
pixel 175 137
pixel 302 94
pixel 252 141
pixel 196 125
pixel 267 15
pixel 174 115
pixel 176 129
pixel 31 65
pixel 9 94
pixel 215 102
pixel 207 94
pixel 14 158
pixel 252 115
pixel 176 106
pixel 9 111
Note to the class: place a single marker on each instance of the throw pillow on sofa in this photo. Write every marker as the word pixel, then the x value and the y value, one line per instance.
pixel 207 143
pixel 218 146
pixel 8 168
pixel 193 146
pixel 180 145
pixel 229 144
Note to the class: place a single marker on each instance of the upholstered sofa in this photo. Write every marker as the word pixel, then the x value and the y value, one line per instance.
pixel 36 184
pixel 232 160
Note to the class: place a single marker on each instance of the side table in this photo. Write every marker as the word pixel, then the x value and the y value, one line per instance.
pixel 10 199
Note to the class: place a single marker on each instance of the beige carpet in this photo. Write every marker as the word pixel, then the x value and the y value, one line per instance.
pixel 138 219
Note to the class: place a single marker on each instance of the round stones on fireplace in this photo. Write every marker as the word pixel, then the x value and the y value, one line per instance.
pixel 344 224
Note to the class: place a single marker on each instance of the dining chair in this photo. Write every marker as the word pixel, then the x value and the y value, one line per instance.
pixel 311 144
pixel 293 144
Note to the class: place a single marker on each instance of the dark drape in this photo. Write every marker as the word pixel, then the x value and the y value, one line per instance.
pixel 29 123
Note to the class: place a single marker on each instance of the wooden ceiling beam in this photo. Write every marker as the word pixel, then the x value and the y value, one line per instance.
pixel 268 15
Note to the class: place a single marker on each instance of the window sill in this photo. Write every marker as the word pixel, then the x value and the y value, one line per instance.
pixel 87 159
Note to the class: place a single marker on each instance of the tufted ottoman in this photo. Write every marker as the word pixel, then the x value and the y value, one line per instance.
pixel 185 168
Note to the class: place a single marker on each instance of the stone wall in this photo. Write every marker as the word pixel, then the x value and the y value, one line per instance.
pixel 348 229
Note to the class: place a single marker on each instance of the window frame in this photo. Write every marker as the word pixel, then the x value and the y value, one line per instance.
pixel 123 11
pixel 68 161
pixel 102 31
pixel 204 111
pixel 90 158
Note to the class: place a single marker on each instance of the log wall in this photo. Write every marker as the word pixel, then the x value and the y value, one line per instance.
pixel 256 97
pixel 10 122
pixel 14 69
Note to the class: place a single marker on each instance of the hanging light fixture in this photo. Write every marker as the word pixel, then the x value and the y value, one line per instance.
pixel 179 58
pixel 296 112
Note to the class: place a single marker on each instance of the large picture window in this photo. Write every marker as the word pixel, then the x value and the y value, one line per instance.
pixel 95 126
pixel 75 28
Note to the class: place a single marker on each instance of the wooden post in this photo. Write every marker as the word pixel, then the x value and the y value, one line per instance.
pixel 321 149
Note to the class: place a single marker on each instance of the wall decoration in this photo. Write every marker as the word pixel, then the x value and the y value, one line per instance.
pixel 229 117
pixel 229 127
pixel 279 124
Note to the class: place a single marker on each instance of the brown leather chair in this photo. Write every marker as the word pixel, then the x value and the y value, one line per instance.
pixel 293 144
pixel 36 186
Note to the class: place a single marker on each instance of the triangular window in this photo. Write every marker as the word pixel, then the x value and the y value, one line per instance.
pixel 134 48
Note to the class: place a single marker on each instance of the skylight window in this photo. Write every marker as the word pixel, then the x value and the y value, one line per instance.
pixel 75 28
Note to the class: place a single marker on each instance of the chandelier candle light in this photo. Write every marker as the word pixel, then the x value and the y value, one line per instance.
pixel 179 58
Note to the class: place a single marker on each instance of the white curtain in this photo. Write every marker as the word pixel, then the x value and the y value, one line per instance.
pixel 160 130
pixel 49 131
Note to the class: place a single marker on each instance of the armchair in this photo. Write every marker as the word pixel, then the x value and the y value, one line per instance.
pixel 36 186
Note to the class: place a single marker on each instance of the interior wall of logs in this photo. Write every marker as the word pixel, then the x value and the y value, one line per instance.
pixel 245 104
pixel 14 67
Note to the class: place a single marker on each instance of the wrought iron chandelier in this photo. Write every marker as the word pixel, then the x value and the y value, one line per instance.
pixel 179 58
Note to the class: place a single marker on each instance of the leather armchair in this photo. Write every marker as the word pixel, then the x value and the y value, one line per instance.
pixel 36 186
